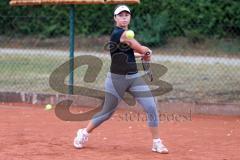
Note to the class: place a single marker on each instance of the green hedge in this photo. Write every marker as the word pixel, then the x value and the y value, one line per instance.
pixel 153 20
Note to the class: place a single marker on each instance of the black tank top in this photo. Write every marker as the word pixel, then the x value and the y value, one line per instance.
pixel 123 59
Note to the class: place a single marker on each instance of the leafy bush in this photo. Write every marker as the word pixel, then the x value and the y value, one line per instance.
pixel 151 29
pixel 153 20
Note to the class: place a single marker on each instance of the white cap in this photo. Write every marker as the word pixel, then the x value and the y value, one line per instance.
pixel 121 9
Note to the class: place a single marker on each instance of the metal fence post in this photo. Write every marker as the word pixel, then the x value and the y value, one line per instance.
pixel 71 55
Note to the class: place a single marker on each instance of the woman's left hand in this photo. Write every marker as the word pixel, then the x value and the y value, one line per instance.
pixel 147 55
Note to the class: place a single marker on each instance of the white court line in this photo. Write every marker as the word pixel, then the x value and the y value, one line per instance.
pixel 2 106
pixel 156 58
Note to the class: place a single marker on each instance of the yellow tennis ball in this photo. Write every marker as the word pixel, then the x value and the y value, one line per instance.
pixel 48 107
pixel 130 34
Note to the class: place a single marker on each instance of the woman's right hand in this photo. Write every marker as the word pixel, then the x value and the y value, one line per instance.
pixel 134 44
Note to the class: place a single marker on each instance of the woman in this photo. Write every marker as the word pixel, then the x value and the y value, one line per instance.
pixel 124 76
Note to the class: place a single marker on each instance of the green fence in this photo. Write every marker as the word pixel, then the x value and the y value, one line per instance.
pixel 202 67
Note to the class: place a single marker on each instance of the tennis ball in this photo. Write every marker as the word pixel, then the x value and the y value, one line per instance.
pixel 48 107
pixel 130 34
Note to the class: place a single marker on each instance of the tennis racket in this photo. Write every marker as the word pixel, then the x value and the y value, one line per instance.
pixel 147 68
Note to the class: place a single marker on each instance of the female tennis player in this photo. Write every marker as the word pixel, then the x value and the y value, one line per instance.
pixel 124 77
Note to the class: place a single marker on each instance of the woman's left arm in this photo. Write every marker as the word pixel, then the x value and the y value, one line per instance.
pixel 138 55
pixel 145 57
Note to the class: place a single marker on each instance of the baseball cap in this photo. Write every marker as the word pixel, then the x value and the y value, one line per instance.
pixel 121 9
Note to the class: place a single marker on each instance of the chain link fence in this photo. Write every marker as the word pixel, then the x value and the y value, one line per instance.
pixel 200 69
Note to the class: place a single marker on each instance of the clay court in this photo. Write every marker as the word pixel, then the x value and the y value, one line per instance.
pixel 197 42
pixel 30 132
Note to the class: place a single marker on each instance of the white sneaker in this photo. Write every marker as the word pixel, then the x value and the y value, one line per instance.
pixel 159 147
pixel 81 138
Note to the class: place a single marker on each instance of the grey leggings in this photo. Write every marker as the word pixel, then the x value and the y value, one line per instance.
pixel 115 87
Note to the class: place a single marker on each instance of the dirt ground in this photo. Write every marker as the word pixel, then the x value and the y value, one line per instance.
pixel 30 132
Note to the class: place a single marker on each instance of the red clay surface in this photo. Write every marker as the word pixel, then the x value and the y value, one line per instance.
pixel 30 132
